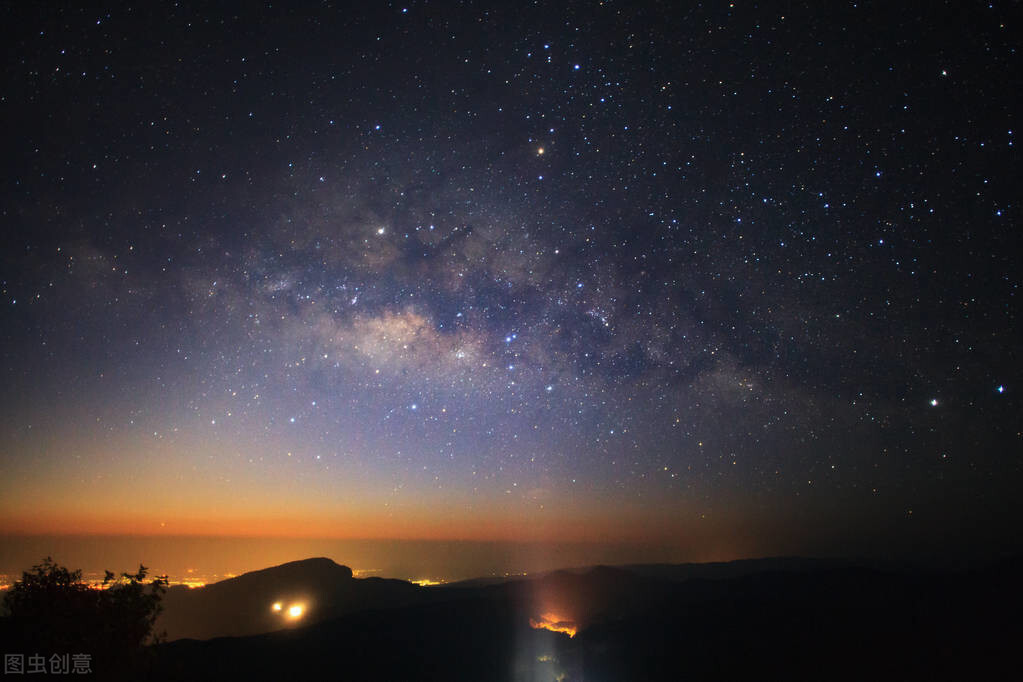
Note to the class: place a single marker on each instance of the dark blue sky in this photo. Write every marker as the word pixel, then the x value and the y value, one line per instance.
pixel 744 275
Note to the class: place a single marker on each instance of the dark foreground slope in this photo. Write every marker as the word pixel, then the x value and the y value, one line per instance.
pixel 823 622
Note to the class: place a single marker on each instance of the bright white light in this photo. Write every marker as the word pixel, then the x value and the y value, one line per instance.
pixel 934 402
pixel 277 606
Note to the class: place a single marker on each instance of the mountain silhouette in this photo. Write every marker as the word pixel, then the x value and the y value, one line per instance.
pixel 772 619
pixel 244 605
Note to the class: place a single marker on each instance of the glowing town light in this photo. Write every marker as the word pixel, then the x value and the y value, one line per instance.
pixel 277 606
pixel 295 611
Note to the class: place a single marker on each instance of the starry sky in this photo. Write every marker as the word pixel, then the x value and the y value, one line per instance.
pixel 721 274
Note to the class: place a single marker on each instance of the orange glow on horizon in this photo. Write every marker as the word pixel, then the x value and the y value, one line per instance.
pixel 416 524
pixel 193 505
pixel 554 623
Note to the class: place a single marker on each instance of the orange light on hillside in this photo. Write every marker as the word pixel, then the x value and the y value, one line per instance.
pixel 554 623
pixel 295 611
pixel 277 606
pixel 426 582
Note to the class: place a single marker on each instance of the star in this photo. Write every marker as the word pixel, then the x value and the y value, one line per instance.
pixel 707 252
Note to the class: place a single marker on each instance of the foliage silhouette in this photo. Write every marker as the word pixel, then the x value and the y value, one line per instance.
pixel 53 611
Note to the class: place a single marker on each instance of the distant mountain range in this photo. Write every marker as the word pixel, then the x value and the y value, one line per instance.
pixel 768 619
pixel 321 590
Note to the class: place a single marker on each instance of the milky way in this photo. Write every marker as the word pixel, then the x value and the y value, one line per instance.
pixel 603 270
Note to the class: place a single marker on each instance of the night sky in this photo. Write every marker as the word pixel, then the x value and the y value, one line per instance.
pixel 733 275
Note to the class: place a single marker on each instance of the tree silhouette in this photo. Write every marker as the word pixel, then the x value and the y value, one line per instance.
pixel 52 611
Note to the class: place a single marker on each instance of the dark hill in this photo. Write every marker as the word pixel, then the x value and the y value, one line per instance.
pixel 836 622
pixel 244 605
pixel 588 596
